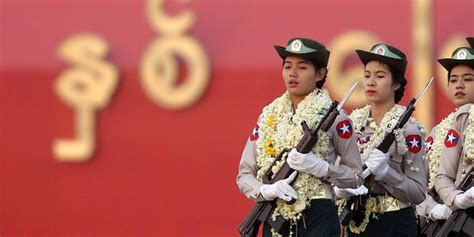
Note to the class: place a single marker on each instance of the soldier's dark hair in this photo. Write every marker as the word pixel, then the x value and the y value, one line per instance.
pixel 317 67
pixel 449 72
pixel 398 78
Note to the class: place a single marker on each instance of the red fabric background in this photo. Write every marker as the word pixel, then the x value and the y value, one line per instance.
pixel 158 172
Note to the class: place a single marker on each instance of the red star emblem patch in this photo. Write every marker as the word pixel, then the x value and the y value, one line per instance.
pixel 429 144
pixel 452 138
pixel 413 143
pixel 344 129
pixel 254 135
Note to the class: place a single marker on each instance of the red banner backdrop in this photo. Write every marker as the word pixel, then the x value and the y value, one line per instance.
pixel 161 171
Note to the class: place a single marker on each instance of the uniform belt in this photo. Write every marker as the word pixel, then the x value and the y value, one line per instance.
pixel 385 203
pixel 325 193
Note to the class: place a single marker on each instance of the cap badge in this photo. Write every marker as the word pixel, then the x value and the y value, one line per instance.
pixel 296 45
pixel 461 54
pixel 380 50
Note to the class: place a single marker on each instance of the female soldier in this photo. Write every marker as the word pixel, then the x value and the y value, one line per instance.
pixel 430 208
pixel 457 148
pixel 279 127
pixel 398 177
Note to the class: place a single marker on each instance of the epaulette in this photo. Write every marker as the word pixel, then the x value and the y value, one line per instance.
pixel 462 110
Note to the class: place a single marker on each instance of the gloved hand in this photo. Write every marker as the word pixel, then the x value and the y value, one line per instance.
pixel 280 189
pixel 440 212
pixel 465 200
pixel 349 192
pixel 308 163
pixel 378 164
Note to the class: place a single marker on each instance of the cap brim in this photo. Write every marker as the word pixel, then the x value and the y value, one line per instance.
pixel 319 56
pixel 366 57
pixel 282 52
pixel 449 63
pixel 470 40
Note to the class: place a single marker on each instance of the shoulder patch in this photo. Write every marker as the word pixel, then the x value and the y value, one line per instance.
pixel 452 138
pixel 254 135
pixel 429 143
pixel 414 143
pixel 344 129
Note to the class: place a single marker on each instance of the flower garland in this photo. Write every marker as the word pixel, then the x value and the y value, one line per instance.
pixel 434 155
pixel 279 128
pixel 369 206
pixel 469 142
pixel 360 118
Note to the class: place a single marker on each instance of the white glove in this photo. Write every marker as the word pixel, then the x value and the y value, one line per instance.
pixel 349 192
pixel 280 189
pixel 466 199
pixel 440 212
pixel 308 163
pixel 378 164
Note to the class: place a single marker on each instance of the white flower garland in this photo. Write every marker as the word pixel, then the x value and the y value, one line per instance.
pixel 434 155
pixel 469 142
pixel 361 116
pixel 280 129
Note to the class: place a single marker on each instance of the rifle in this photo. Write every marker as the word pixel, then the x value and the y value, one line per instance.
pixel 262 211
pixel 355 205
pixel 461 222
pixel 430 228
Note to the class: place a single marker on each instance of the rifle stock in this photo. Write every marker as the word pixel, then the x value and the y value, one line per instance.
pixel 262 211
pixel 461 222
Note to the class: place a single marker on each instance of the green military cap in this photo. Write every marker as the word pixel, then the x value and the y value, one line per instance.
pixel 386 54
pixel 460 56
pixel 305 48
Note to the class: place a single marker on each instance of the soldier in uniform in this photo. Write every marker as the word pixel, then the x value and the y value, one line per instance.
pixel 398 177
pixel 279 127
pixel 457 148
pixel 431 209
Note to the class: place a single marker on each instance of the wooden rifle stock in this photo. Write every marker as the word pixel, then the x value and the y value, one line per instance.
pixel 262 211
pixel 461 222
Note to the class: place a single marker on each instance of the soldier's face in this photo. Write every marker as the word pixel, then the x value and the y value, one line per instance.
pixel 461 85
pixel 300 76
pixel 378 83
